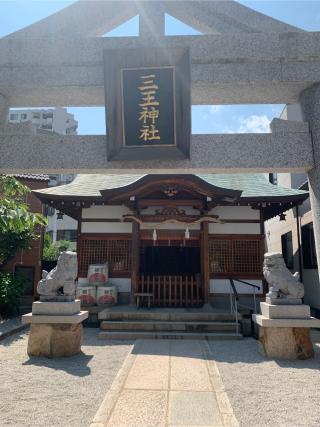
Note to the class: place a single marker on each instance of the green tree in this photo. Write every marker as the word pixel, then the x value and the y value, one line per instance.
pixel 51 251
pixel 18 225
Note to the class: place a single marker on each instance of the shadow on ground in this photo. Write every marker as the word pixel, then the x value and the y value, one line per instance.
pixel 74 365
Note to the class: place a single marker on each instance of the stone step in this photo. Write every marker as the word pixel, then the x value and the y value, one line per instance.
pixel 163 315
pixel 132 335
pixel 156 325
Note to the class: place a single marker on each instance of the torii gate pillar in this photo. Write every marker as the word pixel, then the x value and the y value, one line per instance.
pixel 4 110
pixel 310 103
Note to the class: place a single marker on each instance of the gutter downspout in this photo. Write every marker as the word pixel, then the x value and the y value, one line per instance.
pixel 299 242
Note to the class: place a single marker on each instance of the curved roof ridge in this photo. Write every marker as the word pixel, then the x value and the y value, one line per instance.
pixel 252 185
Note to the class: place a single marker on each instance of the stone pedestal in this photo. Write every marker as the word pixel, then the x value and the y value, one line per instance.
pixel 284 331
pixel 286 343
pixel 56 308
pixel 54 340
pixel 56 328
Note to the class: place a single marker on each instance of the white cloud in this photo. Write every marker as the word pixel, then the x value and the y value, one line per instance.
pixel 254 124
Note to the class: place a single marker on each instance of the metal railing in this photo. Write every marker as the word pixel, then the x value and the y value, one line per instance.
pixel 234 296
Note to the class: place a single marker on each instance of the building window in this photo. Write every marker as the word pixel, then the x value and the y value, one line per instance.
pixel 47 126
pixel 273 178
pixel 287 249
pixel 308 246
pixel 14 116
pixel 48 115
pixel 70 235
pixel 49 211
pixel 36 116
pixel 24 116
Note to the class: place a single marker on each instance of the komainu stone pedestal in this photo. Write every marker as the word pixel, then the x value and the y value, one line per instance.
pixel 286 343
pixel 284 331
pixel 56 328
pixel 55 340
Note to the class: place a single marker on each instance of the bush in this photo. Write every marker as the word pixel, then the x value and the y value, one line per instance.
pixel 11 289
pixel 51 251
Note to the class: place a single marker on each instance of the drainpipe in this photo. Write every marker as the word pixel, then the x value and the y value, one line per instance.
pixel 299 242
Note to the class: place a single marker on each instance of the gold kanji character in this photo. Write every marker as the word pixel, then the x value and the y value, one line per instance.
pixel 149 133
pixel 149 99
pixel 150 76
pixel 148 87
pixel 146 114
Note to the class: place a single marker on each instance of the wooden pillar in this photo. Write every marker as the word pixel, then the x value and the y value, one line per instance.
pixel 205 260
pixel 79 240
pixel 135 257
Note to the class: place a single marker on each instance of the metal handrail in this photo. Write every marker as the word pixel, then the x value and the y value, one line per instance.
pixel 234 289
pixel 236 295
pixel 247 283
pixel 234 303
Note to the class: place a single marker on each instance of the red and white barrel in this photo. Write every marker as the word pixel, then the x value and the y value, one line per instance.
pixel 98 274
pixel 107 295
pixel 86 294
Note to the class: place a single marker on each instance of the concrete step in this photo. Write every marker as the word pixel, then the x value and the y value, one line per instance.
pixel 158 325
pixel 130 335
pixel 162 315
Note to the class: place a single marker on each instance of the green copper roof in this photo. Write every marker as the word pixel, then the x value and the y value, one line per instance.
pixel 252 185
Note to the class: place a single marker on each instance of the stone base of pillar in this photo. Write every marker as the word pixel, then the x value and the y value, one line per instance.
pixel 286 343
pixel 55 340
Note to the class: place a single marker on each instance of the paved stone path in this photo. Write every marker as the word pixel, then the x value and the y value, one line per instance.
pixel 167 383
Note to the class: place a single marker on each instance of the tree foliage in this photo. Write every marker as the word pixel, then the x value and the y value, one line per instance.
pixel 51 251
pixel 18 225
pixel 11 289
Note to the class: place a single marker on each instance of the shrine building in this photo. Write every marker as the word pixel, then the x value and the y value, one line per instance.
pixel 180 237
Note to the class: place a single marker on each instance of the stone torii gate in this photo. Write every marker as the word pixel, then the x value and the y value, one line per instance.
pixel 243 57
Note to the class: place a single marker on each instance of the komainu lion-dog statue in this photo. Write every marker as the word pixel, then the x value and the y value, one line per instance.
pixel 62 276
pixel 282 283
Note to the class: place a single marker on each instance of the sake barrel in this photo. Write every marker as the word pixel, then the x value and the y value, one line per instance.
pixel 107 295
pixel 98 274
pixel 86 294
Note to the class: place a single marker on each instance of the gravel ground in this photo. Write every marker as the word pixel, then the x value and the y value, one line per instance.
pixel 66 392
pixel 269 393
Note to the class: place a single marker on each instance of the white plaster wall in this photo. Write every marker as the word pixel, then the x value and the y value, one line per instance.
pixel 106 227
pixel 235 212
pixel 105 212
pixel 123 284
pixel 67 223
pixel 234 228
pixel 222 286
pixel 312 287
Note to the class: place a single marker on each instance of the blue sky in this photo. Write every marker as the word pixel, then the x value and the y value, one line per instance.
pixel 205 119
